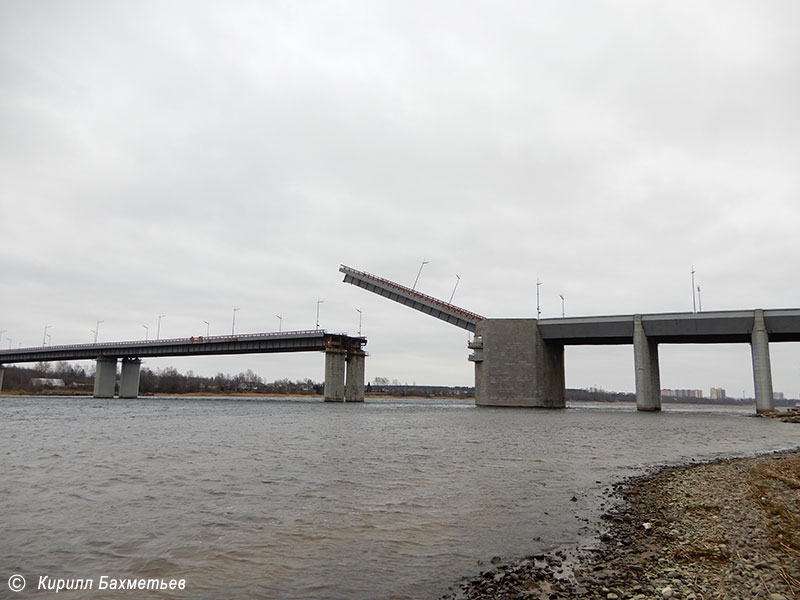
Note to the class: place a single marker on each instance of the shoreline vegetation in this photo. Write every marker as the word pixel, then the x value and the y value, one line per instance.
pixel 726 529
pixel 67 379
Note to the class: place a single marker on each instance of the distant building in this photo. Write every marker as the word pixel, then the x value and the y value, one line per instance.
pixel 667 393
pixel 779 395
pixel 43 382
pixel 717 394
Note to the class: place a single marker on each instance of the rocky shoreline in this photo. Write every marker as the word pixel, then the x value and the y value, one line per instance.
pixel 727 529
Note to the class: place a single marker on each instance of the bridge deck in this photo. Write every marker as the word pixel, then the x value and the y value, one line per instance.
pixel 439 309
pixel 783 325
pixel 251 343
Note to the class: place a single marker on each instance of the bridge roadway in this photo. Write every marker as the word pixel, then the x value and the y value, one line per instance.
pixel 344 357
pixel 520 362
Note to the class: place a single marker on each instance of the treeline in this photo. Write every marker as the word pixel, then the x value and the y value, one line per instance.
pixel 65 378
pixel 169 381
pixel 596 395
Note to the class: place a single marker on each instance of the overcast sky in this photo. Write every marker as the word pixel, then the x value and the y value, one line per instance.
pixel 186 157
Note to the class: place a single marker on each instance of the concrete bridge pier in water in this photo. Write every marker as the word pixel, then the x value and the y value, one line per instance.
pixel 344 375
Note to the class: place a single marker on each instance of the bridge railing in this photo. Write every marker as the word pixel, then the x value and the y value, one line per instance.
pixel 166 341
pixel 468 315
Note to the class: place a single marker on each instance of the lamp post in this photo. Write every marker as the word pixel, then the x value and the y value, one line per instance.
pixel 158 330
pixel 280 323
pixel 96 330
pixel 424 262
pixel 146 332
pixel 360 314
pixel 233 324
pixel 562 304
pixel 318 303
pixel 694 300
pixel 458 280
pixel 44 336
pixel 49 340
pixel 208 327
pixel 538 306
pixel 699 301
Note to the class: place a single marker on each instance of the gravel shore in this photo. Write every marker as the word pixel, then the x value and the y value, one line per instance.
pixel 728 529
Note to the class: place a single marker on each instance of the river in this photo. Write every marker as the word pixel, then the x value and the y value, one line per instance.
pixel 296 498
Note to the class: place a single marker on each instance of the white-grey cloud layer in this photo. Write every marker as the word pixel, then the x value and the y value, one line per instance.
pixel 186 157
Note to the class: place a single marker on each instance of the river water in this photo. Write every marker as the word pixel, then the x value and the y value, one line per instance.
pixel 295 498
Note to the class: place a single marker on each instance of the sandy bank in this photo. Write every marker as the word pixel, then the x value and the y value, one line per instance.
pixel 728 529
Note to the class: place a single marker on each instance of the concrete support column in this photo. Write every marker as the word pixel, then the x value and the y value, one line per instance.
pixel 354 384
pixel 762 371
pixel 129 378
pixel 2 372
pixel 515 366
pixel 105 378
pixel 645 358
pixel 334 374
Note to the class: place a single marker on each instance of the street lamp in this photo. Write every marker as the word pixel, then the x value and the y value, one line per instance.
pixel 360 314
pixel 424 262
pixel 458 280
pixel 233 324
pixel 562 304
pixel 699 301
pixel 158 330
pixel 318 303
pixel 208 327
pixel 694 302
pixel 280 323
pixel 96 330
pixel 538 306
pixel 146 332
pixel 44 336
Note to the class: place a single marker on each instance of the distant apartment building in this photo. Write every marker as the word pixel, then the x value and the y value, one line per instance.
pixel 779 395
pixel 667 393
pixel 717 394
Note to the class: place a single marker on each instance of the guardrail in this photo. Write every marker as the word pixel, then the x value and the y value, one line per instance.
pixel 168 341
pixel 469 315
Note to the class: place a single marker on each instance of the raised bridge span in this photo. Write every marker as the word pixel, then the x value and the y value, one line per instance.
pixel 344 357
pixel 520 362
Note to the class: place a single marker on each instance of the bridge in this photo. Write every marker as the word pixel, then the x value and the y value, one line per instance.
pixel 344 358
pixel 520 362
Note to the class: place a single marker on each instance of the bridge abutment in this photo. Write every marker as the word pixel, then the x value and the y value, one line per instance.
pixel 648 378
pixel 354 382
pixel 515 366
pixel 762 370
pixel 129 378
pixel 105 377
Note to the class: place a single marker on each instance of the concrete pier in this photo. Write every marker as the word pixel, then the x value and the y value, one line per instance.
pixel 129 378
pixel 648 379
pixel 762 371
pixel 354 383
pixel 515 366
pixel 334 374
pixel 105 378
pixel 2 372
